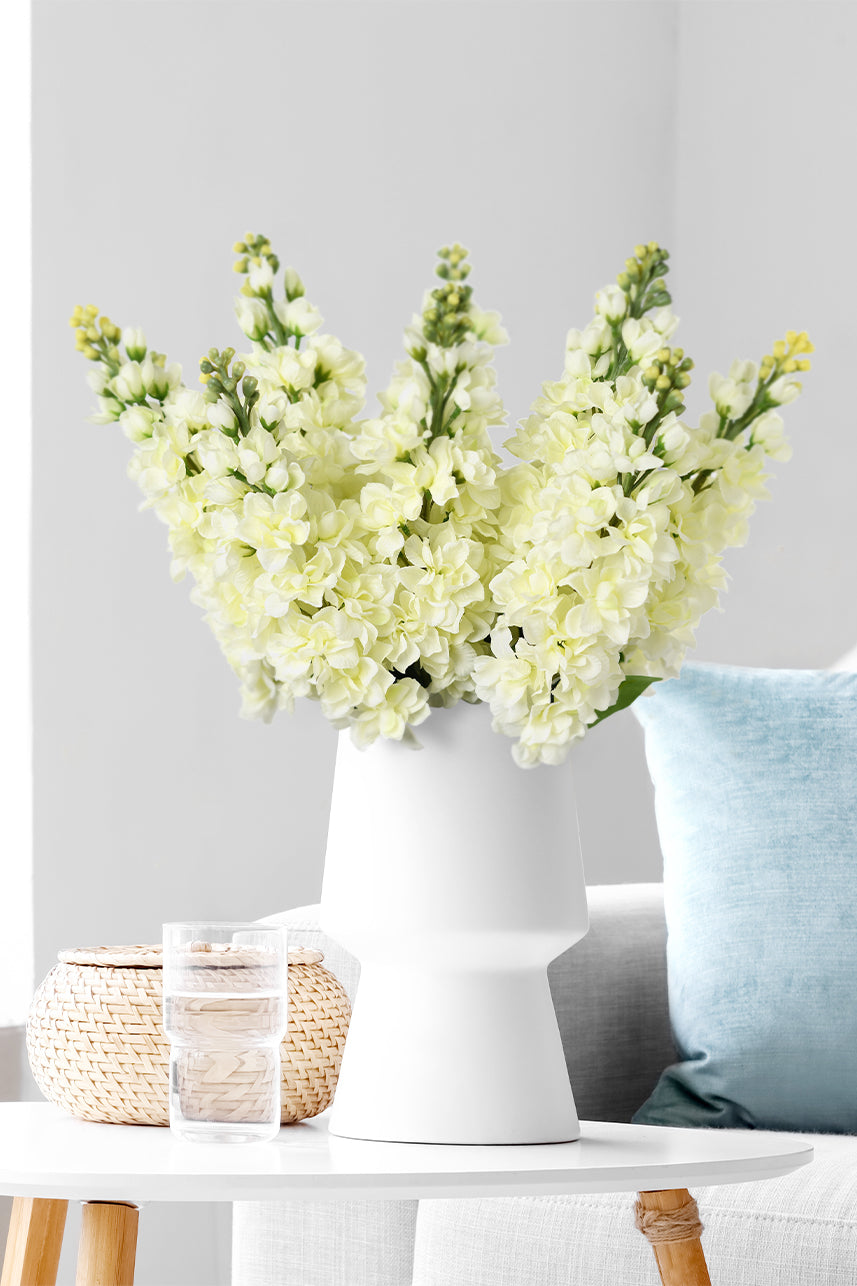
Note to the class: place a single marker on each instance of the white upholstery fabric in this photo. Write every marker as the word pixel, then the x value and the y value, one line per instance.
pixel 800 1230
pixel 346 1243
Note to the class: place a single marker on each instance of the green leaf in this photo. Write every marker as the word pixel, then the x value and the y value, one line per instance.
pixel 631 687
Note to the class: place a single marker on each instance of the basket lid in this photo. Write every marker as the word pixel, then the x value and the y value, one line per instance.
pixel 151 956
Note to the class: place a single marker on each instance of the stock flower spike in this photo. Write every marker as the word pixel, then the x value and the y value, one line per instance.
pixel 391 564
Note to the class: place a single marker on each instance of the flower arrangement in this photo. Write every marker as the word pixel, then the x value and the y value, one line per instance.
pixel 392 564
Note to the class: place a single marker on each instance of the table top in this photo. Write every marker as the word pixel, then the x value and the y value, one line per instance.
pixel 45 1153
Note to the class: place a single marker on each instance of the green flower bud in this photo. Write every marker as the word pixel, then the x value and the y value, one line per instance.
pixel 294 285
pixel 135 343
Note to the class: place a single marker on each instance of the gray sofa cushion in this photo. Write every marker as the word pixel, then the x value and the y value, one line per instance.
pixel 610 995
pixel 799 1230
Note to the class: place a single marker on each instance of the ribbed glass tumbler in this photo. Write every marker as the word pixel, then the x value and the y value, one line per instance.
pixel 225 1014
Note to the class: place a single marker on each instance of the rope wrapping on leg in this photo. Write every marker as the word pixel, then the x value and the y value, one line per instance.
pixel 683 1224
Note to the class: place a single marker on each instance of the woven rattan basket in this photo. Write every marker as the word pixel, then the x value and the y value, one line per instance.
pixel 97 1047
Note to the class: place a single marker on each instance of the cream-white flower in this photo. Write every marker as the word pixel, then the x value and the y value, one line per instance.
pixel 768 432
pixel 731 394
pixel 380 563
pixel 253 317
pixel 261 277
pixel 611 303
pixel 298 316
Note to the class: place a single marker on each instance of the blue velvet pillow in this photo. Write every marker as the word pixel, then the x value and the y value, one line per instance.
pixel 755 775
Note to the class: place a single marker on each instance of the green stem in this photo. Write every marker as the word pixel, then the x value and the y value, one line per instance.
pixel 276 325
pixel 263 489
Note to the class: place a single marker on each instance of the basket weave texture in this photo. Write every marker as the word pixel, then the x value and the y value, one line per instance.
pixel 97 1048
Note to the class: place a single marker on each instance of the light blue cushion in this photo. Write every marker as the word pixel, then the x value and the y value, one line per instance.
pixel 755 775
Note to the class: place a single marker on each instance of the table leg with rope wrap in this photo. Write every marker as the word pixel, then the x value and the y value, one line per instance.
pixel 670 1222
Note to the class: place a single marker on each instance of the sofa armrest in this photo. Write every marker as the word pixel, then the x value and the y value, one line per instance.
pixel 609 991
pixel 303 930
pixel 610 995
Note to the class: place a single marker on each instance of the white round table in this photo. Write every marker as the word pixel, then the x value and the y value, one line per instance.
pixel 47 1159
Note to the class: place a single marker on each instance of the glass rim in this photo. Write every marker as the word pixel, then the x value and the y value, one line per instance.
pixel 224 924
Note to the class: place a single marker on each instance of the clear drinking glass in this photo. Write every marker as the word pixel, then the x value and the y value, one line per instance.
pixel 225 1014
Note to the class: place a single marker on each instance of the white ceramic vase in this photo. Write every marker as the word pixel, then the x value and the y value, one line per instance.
pixel 455 877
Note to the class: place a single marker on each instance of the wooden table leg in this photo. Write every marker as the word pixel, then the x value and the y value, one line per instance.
pixel 680 1263
pixel 108 1244
pixel 34 1242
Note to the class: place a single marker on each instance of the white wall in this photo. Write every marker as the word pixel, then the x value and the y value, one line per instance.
pixel 549 138
pixel 767 130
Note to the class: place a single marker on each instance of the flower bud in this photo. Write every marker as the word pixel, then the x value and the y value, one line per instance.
pixel 261 278
pixel 784 390
pixel 611 303
pixel 731 397
pixel 294 285
pixel 768 434
pixel 252 317
pixel 155 380
pixel 137 423
pixel 135 343
pixel 221 416
pixel 129 383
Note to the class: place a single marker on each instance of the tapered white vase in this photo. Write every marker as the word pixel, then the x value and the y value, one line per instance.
pixel 455 877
